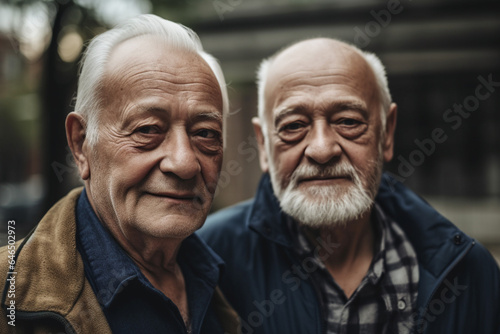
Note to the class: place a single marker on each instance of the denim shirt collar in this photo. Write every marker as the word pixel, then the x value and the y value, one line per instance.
pixel 109 268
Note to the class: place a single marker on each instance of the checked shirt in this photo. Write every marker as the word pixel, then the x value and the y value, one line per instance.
pixel 385 300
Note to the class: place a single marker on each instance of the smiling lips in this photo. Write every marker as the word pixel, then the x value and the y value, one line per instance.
pixel 183 197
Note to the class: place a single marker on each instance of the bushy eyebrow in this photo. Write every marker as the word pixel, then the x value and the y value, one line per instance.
pixel 350 105
pixel 207 116
pixel 195 117
pixel 141 112
pixel 333 108
pixel 287 111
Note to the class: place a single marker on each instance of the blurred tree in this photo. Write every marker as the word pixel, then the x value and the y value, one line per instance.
pixel 57 86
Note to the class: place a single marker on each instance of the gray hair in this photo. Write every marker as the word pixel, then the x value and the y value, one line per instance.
pixel 372 60
pixel 88 102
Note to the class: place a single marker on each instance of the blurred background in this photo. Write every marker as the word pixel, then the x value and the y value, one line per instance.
pixel 442 59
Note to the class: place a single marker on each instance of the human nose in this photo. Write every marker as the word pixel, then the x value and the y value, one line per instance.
pixel 323 144
pixel 179 156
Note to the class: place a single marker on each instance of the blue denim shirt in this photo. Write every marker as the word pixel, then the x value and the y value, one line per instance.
pixel 129 301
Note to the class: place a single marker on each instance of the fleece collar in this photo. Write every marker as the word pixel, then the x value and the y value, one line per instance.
pixel 50 277
pixel 50 251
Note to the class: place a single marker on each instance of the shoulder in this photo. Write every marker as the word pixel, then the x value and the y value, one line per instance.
pixel 5 251
pixel 481 269
pixel 229 220
pixel 10 253
pixel 472 290
pixel 434 237
pixel 226 230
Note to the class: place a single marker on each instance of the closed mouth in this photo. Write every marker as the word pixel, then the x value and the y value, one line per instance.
pixel 325 178
pixel 179 196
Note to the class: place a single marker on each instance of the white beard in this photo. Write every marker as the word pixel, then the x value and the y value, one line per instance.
pixel 320 206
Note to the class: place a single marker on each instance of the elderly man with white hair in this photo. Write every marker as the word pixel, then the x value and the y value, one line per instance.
pixel 330 244
pixel 119 255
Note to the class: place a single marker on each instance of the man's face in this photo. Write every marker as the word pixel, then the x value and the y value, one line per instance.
pixel 155 166
pixel 324 150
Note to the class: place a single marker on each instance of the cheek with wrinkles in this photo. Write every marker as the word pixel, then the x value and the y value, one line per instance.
pixel 210 178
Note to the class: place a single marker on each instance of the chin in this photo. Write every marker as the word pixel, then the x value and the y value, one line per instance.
pixel 171 228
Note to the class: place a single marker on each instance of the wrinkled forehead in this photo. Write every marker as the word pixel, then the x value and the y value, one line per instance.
pixel 149 51
pixel 319 61
pixel 148 59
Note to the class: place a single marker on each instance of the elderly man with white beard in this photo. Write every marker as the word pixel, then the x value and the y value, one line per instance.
pixel 330 244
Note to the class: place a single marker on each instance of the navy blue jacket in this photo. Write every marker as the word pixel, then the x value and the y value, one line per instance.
pixel 459 285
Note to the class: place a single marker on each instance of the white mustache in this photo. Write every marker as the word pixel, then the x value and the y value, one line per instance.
pixel 343 169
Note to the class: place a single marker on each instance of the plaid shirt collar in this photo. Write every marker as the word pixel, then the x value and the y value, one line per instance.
pixel 389 289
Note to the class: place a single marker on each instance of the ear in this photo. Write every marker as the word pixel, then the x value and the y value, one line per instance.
pixel 260 141
pixel 75 134
pixel 390 128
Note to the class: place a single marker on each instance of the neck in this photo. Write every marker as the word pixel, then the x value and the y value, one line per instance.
pixel 155 257
pixel 355 239
pixel 353 251
pixel 157 260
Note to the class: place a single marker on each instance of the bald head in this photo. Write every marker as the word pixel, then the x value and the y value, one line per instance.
pixel 317 53
pixel 362 70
